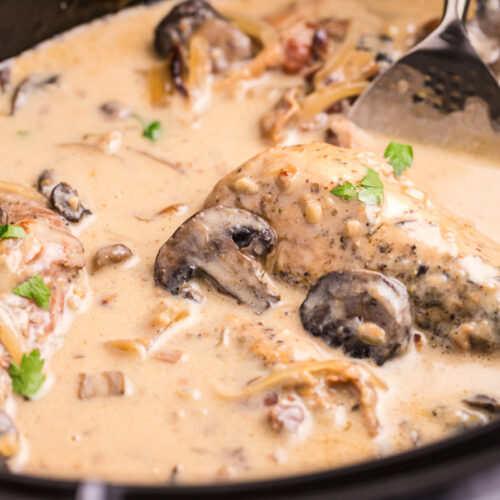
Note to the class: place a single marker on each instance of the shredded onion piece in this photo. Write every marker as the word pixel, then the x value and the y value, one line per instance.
pixel 339 56
pixel 324 97
pixel 198 63
pixel 14 188
pixel 254 27
pixel 11 343
pixel 270 56
pixel 364 381
pixel 159 85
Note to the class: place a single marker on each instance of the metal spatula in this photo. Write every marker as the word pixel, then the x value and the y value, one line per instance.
pixel 440 92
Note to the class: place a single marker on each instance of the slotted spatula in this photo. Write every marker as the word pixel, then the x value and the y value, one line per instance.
pixel 440 92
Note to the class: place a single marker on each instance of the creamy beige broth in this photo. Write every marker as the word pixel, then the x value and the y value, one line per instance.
pixel 174 420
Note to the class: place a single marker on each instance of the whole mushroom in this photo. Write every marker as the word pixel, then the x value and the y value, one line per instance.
pixel 365 312
pixel 224 244
pixel 111 254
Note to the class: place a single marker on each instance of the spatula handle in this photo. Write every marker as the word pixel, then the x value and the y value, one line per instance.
pixel 455 10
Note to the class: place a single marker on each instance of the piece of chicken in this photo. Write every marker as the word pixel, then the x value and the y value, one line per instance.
pixel 50 251
pixel 448 268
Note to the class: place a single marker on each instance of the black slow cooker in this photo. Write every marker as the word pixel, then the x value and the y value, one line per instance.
pixel 464 467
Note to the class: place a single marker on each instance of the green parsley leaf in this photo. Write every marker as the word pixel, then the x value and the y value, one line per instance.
pixel 35 289
pixel 149 130
pixel 346 190
pixel 22 133
pixel 400 156
pixel 371 179
pixel 371 196
pixel 152 131
pixel 27 378
pixel 12 231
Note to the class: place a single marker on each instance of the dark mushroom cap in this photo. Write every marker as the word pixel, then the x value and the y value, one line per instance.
pixel 223 243
pixel 365 312
pixel 4 217
pixel 65 201
pixel 179 24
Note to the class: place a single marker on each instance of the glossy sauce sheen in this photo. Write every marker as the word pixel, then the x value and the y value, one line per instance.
pixel 173 421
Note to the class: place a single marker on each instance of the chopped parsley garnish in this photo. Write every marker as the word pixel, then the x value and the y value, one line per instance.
pixel 27 378
pixel 22 133
pixel 35 289
pixel 370 191
pixel 346 190
pixel 151 130
pixel 400 156
pixel 12 231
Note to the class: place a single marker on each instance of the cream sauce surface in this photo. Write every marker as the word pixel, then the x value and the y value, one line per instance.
pixel 173 422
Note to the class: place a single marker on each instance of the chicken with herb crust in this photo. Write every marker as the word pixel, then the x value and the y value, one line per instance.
pixel 40 261
pixel 344 210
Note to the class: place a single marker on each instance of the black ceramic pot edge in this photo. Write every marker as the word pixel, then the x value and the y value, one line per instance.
pixel 461 468
pixel 24 23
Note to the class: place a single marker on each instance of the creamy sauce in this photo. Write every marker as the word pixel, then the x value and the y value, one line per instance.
pixel 173 421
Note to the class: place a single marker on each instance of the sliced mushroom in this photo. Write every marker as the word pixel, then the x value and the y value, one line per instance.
pixel 227 42
pixel 4 217
pixel 223 243
pixel 111 254
pixel 26 87
pixel 180 23
pixel 115 110
pixel 106 383
pixel 365 312
pixel 484 402
pixel 65 201
pixel 4 78
pixel 45 183
pixel 224 43
pixel 9 437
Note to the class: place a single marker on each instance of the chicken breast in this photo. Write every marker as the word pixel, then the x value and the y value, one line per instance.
pixel 449 269
pixel 50 251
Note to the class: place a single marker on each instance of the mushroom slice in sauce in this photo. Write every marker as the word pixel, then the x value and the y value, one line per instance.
pixel 223 243
pixel 66 202
pixel 226 43
pixel 106 383
pixel 26 87
pixel 45 183
pixel 365 312
pixel 115 110
pixel 9 437
pixel 484 402
pixel 4 78
pixel 180 23
pixel 112 254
